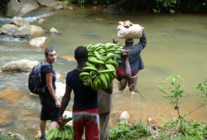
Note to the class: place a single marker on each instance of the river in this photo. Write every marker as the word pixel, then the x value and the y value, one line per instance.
pixel 176 44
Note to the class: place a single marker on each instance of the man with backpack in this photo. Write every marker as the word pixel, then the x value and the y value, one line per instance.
pixel 49 101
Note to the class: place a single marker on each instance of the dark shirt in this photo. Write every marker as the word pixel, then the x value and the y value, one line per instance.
pixel 46 98
pixel 85 98
pixel 134 57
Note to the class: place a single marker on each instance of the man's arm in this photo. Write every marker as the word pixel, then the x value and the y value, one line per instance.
pixel 127 70
pixel 109 90
pixel 64 103
pixel 50 88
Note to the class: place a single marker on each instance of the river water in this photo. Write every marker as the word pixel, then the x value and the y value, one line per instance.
pixel 176 44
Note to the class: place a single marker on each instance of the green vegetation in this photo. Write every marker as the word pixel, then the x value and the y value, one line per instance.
pixel 5 137
pixel 177 128
pixel 155 6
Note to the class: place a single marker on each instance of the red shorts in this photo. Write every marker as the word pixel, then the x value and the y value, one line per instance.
pixel 88 121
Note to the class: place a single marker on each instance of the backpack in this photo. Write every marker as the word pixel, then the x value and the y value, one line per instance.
pixel 34 81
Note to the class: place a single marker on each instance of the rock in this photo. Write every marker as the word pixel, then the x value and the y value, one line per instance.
pixel 20 22
pixel 22 32
pixel 112 10
pixel 60 89
pixel 20 7
pixel 40 21
pixel 38 42
pixel 8 29
pixel 59 77
pixel 59 7
pixel 36 30
pixel 5 117
pixel 124 116
pixel 3 132
pixel 19 137
pixel 19 66
pixel 71 8
pixel 11 95
pixel 68 58
pixel 53 31
pixel 48 3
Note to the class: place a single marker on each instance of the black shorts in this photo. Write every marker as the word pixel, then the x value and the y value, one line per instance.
pixel 49 113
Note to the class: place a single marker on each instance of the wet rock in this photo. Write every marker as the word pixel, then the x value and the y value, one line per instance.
pixel 20 22
pixel 124 116
pixel 71 8
pixel 48 3
pixel 9 29
pixel 18 137
pixel 59 77
pixel 5 117
pixel 11 95
pixel 59 7
pixel 19 66
pixel 3 132
pixel 38 42
pixel 54 31
pixel 68 58
pixel 112 10
pixel 36 30
pixel 40 21
pixel 20 7
pixel 24 31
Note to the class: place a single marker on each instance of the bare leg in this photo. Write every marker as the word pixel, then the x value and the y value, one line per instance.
pixel 42 127
pixel 53 124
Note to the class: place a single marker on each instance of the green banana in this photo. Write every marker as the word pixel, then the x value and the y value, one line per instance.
pixel 105 71
pixel 108 78
pixel 67 119
pixel 89 69
pixel 84 74
pixel 95 61
pixel 114 63
pixel 98 55
pixel 89 64
pixel 109 45
pixel 103 81
pixel 109 55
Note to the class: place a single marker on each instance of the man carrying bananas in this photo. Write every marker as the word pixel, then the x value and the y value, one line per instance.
pixel 85 107
pixel 136 63
pixel 105 101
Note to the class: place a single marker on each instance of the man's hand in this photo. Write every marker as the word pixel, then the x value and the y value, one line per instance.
pixel 57 103
pixel 61 122
pixel 114 40
pixel 142 30
pixel 125 53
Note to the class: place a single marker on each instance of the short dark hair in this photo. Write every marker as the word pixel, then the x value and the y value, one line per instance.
pixel 81 54
pixel 48 49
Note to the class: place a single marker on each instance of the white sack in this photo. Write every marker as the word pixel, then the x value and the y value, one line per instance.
pixel 132 32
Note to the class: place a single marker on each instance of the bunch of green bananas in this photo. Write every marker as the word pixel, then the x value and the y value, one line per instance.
pixel 100 69
pixel 65 133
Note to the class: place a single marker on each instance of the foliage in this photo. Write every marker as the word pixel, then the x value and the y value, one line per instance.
pixel 6 137
pixel 174 91
pixel 127 131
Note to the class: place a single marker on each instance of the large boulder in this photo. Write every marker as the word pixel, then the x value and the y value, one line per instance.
pixel 24 31
pixel 20 7
pixel 19 66
pixel 8 29
pixel 38 42
pixel 112 10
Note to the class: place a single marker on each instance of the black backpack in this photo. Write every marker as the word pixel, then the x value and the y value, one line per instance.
pixel 34 81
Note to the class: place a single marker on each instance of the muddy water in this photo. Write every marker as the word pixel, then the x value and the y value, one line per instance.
pixel 175 44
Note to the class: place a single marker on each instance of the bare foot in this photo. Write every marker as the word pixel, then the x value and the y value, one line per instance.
pixel 132 94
